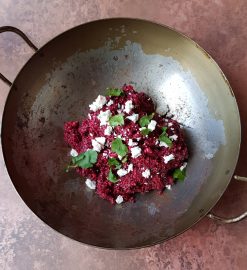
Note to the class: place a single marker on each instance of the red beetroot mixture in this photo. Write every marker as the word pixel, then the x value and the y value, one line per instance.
pixel 79 137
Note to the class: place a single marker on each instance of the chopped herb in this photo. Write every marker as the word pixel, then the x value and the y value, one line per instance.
pixel 119 147
pixel 164 129
pixel 116 120
pixel 179 175
pixel 164 137
pixel 84 160
pixel 145 120
pixel 112 177
pixel 114 92
pixel 114 163
pixel 145 131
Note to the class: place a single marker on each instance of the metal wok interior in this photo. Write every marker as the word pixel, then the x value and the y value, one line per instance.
pixel 59 82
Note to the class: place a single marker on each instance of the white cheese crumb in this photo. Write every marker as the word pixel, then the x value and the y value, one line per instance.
pixel 142 128
pixel 91 184
pixel 131 143
pixel 119 199
pixel 170 124
pixel 138 139
pixel 169 187
pixel 104 117
pixel 108 130
pixel 146 173
pixel 98 143
pixel 130 167
pixel 119 157
pixel 121 172
pixel 73 153
pixel 135 152
pixel 183 166
pixel 109 103
pixel 119 111
pixel 134 117
pixel 100 140
pixel 173 137
pixel 168 158
pixel 104 154
pixel 98 103
pixel 157 142
pixel 128 106
pixel 163 144
pixel 152 125
pixel 89 116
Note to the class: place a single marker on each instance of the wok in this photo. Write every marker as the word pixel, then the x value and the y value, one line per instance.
pixel 65 75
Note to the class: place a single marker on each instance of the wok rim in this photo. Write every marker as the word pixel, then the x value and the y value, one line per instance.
pixel 197 46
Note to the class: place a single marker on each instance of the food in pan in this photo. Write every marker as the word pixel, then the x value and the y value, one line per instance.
pixel 124 147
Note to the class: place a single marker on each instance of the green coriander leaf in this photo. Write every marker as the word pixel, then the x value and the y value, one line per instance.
pixel 119 147
pixel 145 131
pixel 114 92
pixel 179 175
pixel 116 120
pixel 114 163
pixel 85 160
pixel 145 120
pixel 165 139
pixel 112 177
pixel 164 129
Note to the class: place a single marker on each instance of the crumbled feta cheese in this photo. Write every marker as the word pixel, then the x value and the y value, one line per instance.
pixel 146 173
pixel 134 117
pixel 135 152
pixel 163 144
pixel 168 158
pixel 100 140
pixel 130 167
pixel 73 153
pixel 98 103
pixel 91 184
pixel 104 154
pixel 172 128
pixel 128 106
pixel 119 199
pixel 119 157
pixel 152 125
pixel 173 137
pixel 170 124
pixel 166 120
pixel 108 131
pixel 142 128
pixel 104 117
pixel 157 142
pixel 119 111
pixel 183 166
pixel 131 143
pixel 138 139
pixel 121 172
pixel 169 187
pixel 89 116
pixel 119 106
pixel 109 103
pixel 98 143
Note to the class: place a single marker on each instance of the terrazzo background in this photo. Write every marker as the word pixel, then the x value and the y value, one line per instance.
pixel 220 27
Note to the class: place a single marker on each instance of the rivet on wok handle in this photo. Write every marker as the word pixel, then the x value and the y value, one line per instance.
pixel 24 37
pixel 234 219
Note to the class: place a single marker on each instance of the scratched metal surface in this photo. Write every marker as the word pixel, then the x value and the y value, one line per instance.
pixel 206 245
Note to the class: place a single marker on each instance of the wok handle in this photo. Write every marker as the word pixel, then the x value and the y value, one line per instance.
pixel 24 37
pixel 233 219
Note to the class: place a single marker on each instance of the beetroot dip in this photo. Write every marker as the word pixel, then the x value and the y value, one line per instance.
pixel 150 166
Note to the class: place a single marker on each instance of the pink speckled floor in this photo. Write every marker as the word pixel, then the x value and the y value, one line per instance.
pixel 220 27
